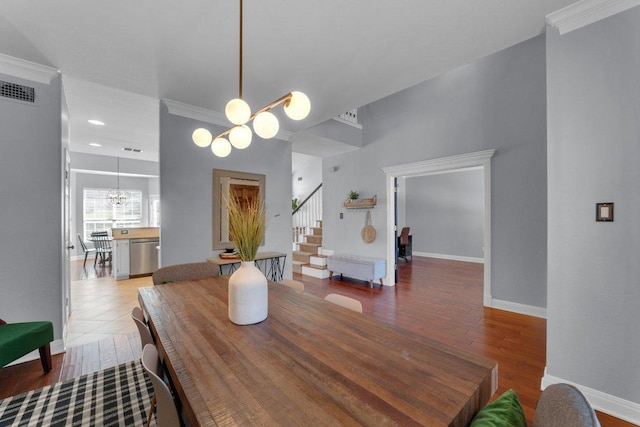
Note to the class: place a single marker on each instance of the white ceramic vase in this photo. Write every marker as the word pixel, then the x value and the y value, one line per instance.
pixel 248 295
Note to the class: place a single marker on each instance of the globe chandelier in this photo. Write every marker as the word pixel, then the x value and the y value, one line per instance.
pixel 265 123
pixel 117 197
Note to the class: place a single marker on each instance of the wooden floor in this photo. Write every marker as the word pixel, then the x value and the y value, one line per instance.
pixel 436 298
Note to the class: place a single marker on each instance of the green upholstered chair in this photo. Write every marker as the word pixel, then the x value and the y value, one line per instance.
pixel 18 339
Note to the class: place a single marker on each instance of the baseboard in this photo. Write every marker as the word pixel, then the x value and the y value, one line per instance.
pixel 450 257
pixel 57 347
pixel 529 310
pixel 603 402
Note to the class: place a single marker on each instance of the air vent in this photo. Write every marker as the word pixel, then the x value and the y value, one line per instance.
pixel 17 92
pixel 350 116
pixel 133 150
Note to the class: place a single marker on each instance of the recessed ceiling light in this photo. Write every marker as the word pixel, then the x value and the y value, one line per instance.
pixel 96 122
pixel 95 144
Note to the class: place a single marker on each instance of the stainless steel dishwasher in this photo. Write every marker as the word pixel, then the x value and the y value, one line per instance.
pixel 143 256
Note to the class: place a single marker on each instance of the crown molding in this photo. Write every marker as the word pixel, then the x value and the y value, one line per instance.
pixel 209 116
pixel 195 113
pixel 441 164
pixel 27 70
pixel 587 12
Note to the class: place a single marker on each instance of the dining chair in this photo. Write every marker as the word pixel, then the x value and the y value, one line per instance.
pixel 564 405
pixel 345 301
pixel 85 249
pixel 166 412
pixel 102 243
pixel 294 284
pixel 402 246
pixel 145 338
pixel 145 334
pixel 182 272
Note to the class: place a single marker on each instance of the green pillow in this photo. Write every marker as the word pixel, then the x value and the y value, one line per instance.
pixel 504 411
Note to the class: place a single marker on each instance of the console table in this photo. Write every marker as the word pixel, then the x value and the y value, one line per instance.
pixel 268 262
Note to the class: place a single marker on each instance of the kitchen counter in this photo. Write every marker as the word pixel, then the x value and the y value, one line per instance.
pixel 135 233
pixel 134 251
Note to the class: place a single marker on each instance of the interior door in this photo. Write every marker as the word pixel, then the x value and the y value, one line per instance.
pixel 395 227
pixel 68 242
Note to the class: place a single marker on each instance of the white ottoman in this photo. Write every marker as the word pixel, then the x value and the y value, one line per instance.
pixel 359 267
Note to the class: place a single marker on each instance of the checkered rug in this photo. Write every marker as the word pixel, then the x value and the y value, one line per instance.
pixel 118 396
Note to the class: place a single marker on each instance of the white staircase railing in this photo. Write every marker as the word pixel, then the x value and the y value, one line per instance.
pixel 307 215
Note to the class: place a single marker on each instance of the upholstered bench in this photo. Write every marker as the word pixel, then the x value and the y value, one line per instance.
pixel 18 339
pixel 358 267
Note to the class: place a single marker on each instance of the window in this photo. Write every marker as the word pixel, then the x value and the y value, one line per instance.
pixel 99 215
pixel 154 211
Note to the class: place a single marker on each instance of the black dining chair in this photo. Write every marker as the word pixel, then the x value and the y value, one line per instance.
pixel 85 249
pixel 102 243
pixel 404 245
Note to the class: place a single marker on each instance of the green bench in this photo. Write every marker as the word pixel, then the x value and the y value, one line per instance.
pixel 18 339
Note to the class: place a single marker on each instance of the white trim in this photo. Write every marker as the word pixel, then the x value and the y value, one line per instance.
pixel 585 12
pixel 27 70
pixel 603 402
pixel 514 307
pixel 195 113
pixel 57 347
pixel 450 257
pixel 442 164
pixel 209 116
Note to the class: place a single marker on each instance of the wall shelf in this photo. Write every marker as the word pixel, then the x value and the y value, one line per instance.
pixel 361 204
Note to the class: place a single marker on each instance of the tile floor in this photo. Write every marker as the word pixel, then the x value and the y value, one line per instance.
pixel 101 308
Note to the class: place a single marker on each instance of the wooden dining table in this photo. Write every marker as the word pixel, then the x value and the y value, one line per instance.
pixel 310 363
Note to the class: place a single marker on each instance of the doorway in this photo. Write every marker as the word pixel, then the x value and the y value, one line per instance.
pixel 464 161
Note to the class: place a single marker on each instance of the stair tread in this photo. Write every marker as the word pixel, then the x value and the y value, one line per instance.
pixel 318 256
pixel 303 253
pixel 316 267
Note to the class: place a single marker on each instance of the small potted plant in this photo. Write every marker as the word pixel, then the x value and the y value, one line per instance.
pixel 353 195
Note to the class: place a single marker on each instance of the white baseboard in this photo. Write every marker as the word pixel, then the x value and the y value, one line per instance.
pixel 451 257
pixel 57 347
pixel 603 402
pixel 514 307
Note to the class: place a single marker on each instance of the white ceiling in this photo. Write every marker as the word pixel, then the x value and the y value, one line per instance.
pixel 118 57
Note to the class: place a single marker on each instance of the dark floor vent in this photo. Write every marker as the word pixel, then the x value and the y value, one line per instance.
pixel 19 92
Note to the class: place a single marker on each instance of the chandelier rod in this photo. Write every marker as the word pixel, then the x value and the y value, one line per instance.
pixel 240 55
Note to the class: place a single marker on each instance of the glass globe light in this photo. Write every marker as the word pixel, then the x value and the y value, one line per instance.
pixel 240 136
pixel 237 111
pixel 201 137
pixel 221 147
pixel 298 107
pixel 266 125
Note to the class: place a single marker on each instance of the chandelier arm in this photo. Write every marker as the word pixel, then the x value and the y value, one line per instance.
pixel 283 99
pixel 225 133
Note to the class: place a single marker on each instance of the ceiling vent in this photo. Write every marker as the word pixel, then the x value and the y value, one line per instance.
pixel 133 150
pixel 17 92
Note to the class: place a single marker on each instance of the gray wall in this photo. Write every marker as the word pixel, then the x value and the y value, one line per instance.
pixel 306 178
pixel 186 179
pixel 31 214
pixel 594 114
pixel 446 213
pixel 497 102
